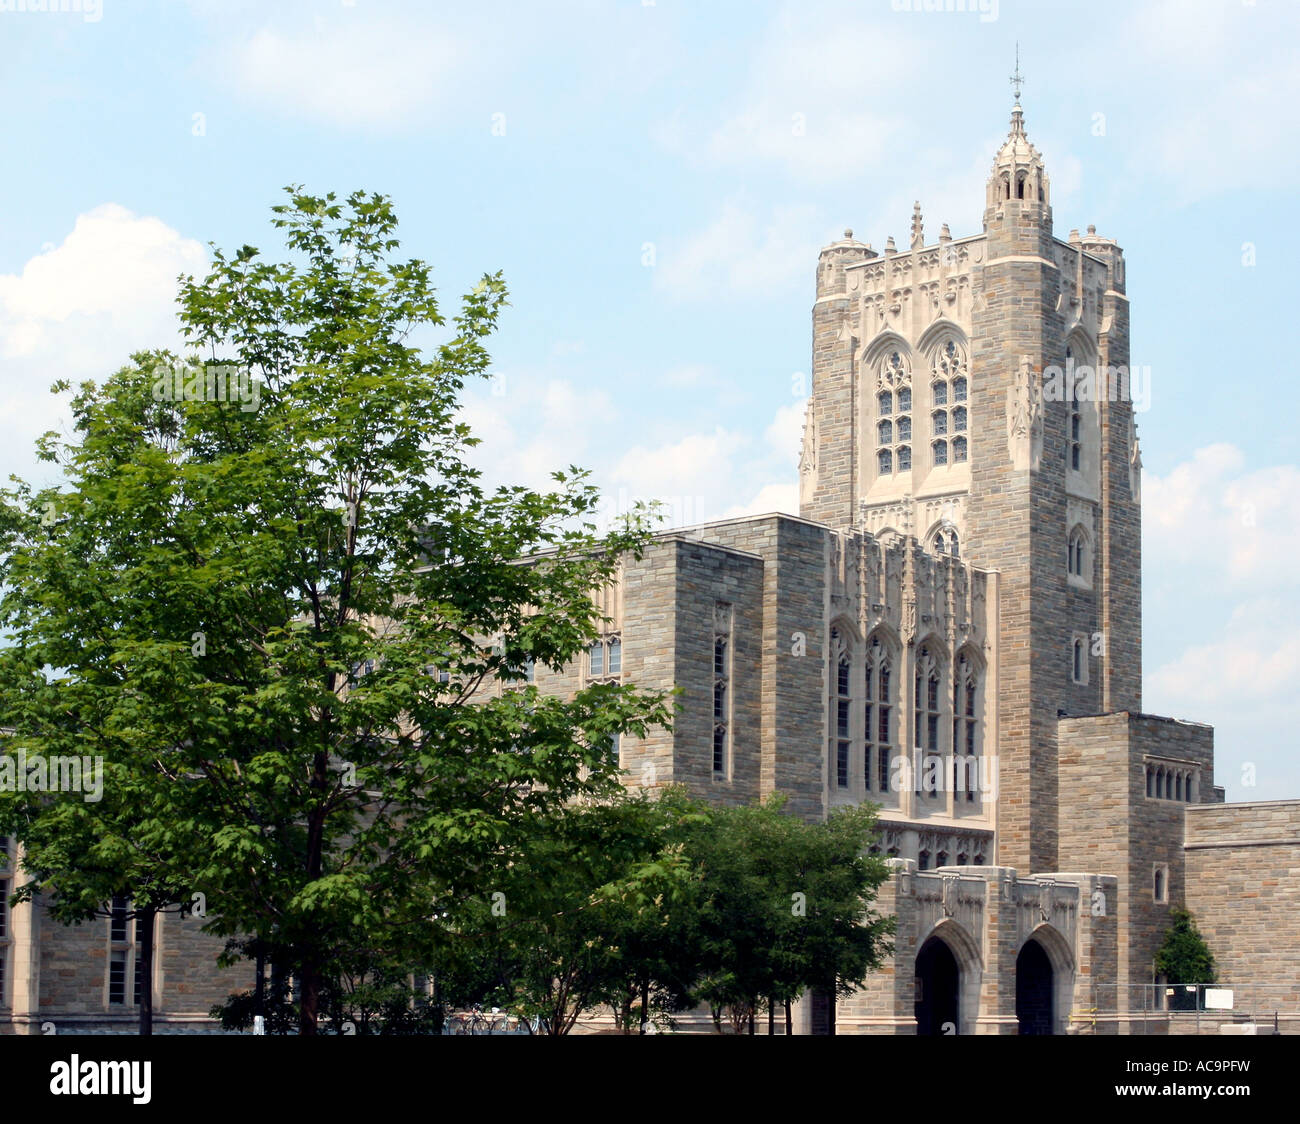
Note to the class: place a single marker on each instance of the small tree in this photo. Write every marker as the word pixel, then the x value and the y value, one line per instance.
pixel 787 906
pixel 570 923
pixel 1184 958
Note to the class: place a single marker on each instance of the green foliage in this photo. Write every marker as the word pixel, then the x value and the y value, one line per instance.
pixel 595 909
pixel 787 904
pixel 295 632
pixel 651 906
pixel 1184 958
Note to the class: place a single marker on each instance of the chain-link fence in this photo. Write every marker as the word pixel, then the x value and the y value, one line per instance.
pixel 1177 1009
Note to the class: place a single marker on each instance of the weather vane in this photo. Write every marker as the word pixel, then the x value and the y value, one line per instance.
pixel 1017 79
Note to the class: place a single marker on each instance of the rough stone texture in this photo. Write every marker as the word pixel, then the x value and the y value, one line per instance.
pixel 58 974
pixel 1243 887
pixel 1111 824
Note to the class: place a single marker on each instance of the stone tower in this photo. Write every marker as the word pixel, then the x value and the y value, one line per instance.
pixel 974 394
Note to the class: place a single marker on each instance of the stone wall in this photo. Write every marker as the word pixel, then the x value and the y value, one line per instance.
pixel 60 977
pixel 1109 823
pixel 1243 888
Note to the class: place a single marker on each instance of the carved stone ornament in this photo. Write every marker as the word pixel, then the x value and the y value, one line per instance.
pixel 1134 462
pixel 808 458
pixel 1025 418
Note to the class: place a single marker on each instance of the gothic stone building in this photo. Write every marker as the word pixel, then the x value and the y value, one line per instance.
pixel 951 629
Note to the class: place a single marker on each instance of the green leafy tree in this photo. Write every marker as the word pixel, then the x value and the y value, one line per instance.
pixel 1184 958
pixel 787 906
pixel 274 596
pixel 589 913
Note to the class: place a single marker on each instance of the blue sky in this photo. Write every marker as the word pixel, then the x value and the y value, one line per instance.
pixel 655 180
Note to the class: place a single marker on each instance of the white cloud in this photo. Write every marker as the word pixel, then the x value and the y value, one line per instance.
pixel 1246 523
pixel 112 278
pixel 531 425
pixel 785 433
pixel 741 255
pixel 770 497
pixel 1252 661
pixel 77 310
pixel 814 99
pixel 698 465
pixel 1219 549
pixel 1224 80
pixel 358 70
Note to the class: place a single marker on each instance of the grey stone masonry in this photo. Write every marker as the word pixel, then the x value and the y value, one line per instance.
pixel 1243 888
pixel 1111 824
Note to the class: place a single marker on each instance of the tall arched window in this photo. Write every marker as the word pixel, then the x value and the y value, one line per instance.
pixel 878 716
pixel 1077 554
pixel 894 413
pixel 925 702
pixel 965 735
pixel 1074 433
pixel 1079 661
pixel 948 414
pixel 840 703
pixel 843 720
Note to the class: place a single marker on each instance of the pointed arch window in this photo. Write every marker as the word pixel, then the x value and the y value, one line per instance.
pixel 1074 433
pixel 843 720
pixel 841 708
pixel 944 541
pixel 949 418
pixel 925 716
pixel 722 667
pixel 878 716
pixel 1078 558
pixel 893 402
pixel 965 729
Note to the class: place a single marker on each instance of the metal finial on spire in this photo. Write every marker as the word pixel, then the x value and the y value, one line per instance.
pixel 1017 79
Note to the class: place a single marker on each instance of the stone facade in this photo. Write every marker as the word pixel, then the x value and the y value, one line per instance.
pixel 1243 887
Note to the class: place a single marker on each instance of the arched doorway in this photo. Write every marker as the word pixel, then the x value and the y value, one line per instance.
pixel 937 980
pixel 1034 985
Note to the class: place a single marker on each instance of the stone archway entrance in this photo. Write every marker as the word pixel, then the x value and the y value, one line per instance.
pixel 937 983
pixel 1034 990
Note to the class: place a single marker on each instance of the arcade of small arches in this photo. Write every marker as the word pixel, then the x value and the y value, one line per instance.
pixel 868 725
pixel 1169 781
pixel 937 849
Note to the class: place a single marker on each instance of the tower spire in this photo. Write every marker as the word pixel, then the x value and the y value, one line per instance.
pixel 1017 79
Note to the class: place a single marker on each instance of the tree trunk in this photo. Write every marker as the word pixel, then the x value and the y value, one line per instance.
pixel 830 1009
pixel 309 1000
pixel 771 1016
pixel 309 1004
pixel 145 925
pixel 752 1004
pixel 789 1021
pixel 645 1003
pixel 259 989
